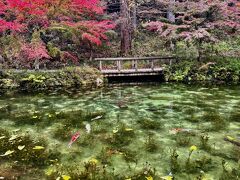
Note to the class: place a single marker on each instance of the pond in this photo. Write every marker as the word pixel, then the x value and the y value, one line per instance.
pixel 162 131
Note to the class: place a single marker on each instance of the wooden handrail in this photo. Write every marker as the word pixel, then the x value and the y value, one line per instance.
pixel 133 58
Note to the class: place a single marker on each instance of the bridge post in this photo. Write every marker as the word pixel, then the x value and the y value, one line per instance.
pixel 100 65
pixel 152 65
pixel 170 62
pixel 136 65
pixel 119 65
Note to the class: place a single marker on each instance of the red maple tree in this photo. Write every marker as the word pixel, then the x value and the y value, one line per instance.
pixel 82 17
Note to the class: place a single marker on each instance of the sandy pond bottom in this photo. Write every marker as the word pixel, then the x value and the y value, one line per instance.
pixel 166 131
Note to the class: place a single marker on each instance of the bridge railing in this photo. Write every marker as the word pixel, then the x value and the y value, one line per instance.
pixel 151 61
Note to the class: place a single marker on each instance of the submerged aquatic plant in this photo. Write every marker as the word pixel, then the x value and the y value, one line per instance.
pixel 229 173
pixel 204 142
pixel 174 163
pixel 62 132
pixel 235 116
pixel 183 139
pixel 122 136
pixel 24 149
pixel 129 155
pixel 217 121
pixel 151 144
pixel 147 123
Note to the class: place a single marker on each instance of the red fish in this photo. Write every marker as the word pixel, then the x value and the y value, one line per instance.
pixel 74 138
pixel 177 130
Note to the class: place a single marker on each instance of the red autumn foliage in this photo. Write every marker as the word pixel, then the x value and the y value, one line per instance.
pixel 23 17
pixel 19 15
pixel 33 51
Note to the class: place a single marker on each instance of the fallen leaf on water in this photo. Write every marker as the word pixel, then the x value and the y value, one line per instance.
pixel 230 138
pixel 96 118
pixel 21 147
pixel 2 137
pixel 7 153
pixel 38 147
pixel 13 137
pixel 115 131
pixel 65 177
pixel 34 117
pixel 128 129
pixel 16 130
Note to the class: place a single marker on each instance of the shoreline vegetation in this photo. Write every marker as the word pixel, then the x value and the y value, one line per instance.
pixel 214 72
pixel 67 78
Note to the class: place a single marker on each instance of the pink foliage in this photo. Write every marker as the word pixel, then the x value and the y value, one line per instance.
pixel 193 24
pixel 67 56
pixel 33 51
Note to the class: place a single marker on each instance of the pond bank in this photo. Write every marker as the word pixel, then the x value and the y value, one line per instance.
pixel 210 72
pixel 67 78
pixel 215 72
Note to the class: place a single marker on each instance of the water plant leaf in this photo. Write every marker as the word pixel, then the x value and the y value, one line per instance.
pixel 35 117
pixel 65 177
pixel 7 153
pixel 21 147
pixel 128 129
pixel 38 148
pixel 13 137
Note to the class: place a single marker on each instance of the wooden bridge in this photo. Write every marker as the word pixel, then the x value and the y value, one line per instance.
pixel 133 66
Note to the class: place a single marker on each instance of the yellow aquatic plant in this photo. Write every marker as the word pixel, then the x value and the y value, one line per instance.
pixel 193 148
pixel 149 178
pixel 167 178
pixel 93 160
pixel 65 177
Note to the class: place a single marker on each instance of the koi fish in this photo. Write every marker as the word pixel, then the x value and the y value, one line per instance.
pixel 88 128
pixel 73 139
pixel 177 130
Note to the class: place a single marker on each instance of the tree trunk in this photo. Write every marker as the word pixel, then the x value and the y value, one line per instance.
pixel 126 39
pixel 134 14
pixel 36 64
pixel 170 14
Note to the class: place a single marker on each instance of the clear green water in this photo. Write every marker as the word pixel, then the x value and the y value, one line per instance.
pixel 140 132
